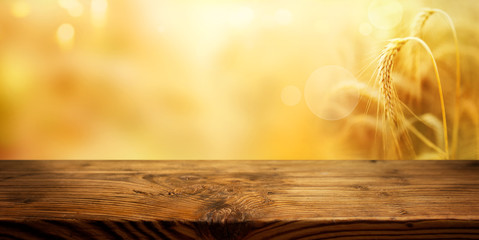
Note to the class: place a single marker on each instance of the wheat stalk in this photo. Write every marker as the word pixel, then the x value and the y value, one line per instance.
pixel 423 138
pixel 392 110
pixel 416 31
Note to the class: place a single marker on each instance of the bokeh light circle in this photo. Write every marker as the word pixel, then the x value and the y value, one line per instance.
pixel 65 33
pixel 20 9
pixel 385 14
pixel 331 92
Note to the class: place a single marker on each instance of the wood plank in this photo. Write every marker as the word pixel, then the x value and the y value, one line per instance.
pixel 239 199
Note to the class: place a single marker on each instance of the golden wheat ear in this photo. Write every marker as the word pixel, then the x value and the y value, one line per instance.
pixel 393 116
pixel 391 104
pixel 419 21
pixel 416 31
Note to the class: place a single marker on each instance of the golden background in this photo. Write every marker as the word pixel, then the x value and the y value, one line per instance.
pixel 178 79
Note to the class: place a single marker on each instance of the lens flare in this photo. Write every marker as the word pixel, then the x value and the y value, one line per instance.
pixel 331 92
pixel 65 35
pixel 20 9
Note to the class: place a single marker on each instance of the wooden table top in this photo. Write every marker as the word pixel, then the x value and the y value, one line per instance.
pixel 239 199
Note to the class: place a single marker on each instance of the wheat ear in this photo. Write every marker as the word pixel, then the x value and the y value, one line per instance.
pixel 392 113
pixel 419 21
pixel 386 63
pixel 417 27
pixel 388 92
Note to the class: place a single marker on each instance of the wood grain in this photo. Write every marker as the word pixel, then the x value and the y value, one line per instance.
pixel 239 199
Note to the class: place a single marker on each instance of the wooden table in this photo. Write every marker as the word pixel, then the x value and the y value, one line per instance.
pixel 239 200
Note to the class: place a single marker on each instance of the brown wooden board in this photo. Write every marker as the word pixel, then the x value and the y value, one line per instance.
pixel 239 199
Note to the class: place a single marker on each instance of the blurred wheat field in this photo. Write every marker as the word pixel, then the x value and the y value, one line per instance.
pixel 236 79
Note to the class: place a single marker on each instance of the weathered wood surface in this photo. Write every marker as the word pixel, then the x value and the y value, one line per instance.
pixel 239 199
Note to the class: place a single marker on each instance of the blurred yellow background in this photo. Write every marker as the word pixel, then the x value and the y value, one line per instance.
pixel 181 79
